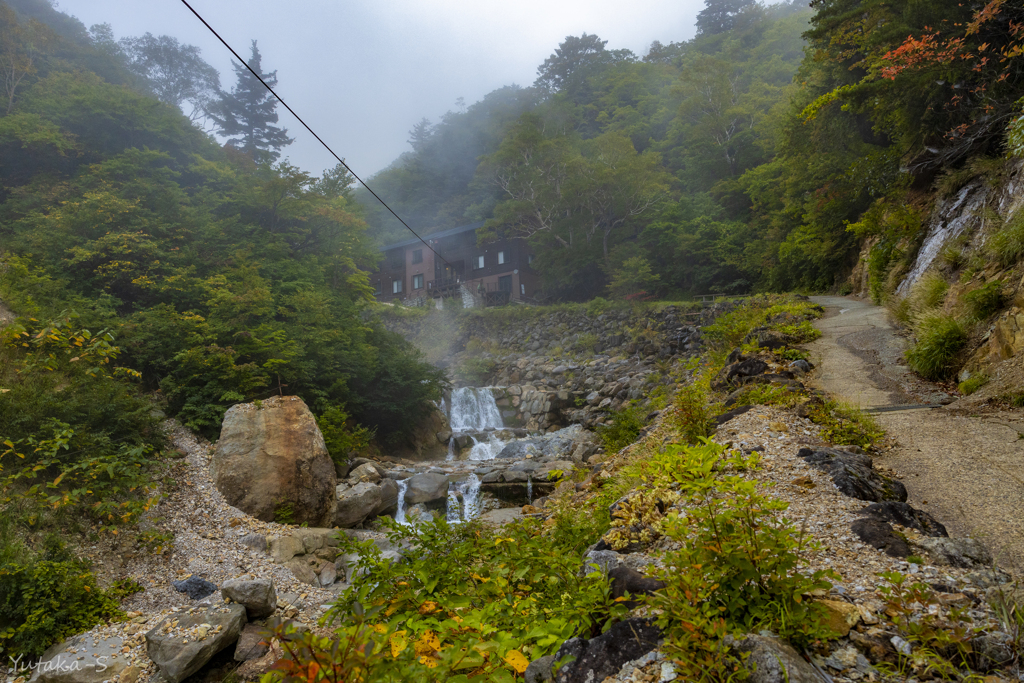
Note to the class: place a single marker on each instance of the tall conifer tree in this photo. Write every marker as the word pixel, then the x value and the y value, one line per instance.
pixel 246 115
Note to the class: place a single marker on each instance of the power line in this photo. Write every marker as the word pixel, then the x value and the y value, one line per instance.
pixel 313 133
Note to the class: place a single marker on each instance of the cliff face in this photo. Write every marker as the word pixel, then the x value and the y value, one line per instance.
pixel 963 258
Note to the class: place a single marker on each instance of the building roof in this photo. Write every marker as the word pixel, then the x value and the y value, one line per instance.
pixel 435 235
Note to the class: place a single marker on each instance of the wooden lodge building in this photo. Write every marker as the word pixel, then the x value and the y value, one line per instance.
pixel 495 274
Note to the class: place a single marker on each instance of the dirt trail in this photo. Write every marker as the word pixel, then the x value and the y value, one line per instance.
pixel 965 468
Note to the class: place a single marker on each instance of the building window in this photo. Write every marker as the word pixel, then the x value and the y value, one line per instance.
pixel 479 262
pixel 417 282
pixel 396 259
pixel 505 283
pixel 529 259
pixel 376 288
pixel 522 289
pixel 501 258
pixel 396 286
pixel 417 256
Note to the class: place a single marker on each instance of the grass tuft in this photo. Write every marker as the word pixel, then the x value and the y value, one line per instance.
pixel 940 340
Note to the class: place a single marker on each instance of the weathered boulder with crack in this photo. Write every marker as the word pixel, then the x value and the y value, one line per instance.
pixel 271 456
pixel 183 642
pixel 257 596
pixel 356 503
pixel 64 663
pixel 854 475
pixel 769 660
pixel 603 656
pixel 426 487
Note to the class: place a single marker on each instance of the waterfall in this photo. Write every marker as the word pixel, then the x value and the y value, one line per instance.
pixel 403 486
pixel 469 508
pixel 529 489
pixel 487 450
pixel 474 409
pixel 953 220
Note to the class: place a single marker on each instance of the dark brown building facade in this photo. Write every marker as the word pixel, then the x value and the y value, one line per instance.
pixel 497 273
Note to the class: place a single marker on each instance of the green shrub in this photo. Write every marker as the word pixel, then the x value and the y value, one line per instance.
pixel 693 414
pixel 341 434
pixel 48 601
pixel 468 599
pixel 736 571
pixel 585 343
pixel 973 383
pixel 929 292
pixel 625 428
pixel 985 300
pixel 1007 245
pixel 842 424
pixel 940 340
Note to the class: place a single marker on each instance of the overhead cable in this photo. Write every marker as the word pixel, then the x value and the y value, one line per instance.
pixel 312 132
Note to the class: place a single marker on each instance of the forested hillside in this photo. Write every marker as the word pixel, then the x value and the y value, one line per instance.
pixel 141 255
pixel 730 162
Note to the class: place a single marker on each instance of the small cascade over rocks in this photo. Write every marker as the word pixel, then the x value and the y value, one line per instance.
pixel 474 409
pixel 475 414
pixel 464 500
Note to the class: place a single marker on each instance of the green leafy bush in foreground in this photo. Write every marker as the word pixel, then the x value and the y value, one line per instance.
pixel 49 601
pixel 465 603
pixel 940 339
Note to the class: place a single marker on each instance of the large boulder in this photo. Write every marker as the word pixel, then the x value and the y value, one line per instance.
pixel 271 460
pixel 64 663
pixel 257 596
pixel 426 487
pixel 356 503
pixel 388 498
pixel 183 642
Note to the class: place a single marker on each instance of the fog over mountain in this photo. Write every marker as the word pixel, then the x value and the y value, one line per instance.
pixel 363 73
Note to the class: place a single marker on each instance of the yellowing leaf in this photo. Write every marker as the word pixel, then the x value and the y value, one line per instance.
pixel 517 660
pixel 380 628
pixel 428 643
pixel 428 607
pixel 398 642
pixel 428 662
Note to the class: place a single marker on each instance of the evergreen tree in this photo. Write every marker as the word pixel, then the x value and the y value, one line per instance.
pixel 246 115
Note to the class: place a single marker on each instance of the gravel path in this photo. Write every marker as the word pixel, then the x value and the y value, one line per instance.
pixel 964 467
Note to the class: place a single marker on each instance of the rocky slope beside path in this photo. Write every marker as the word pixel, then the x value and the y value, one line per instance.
pixel 960 462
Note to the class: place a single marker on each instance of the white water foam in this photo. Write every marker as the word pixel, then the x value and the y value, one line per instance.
pixel 403 486
pixel 962 211
pixel 469 508
pixel 474 409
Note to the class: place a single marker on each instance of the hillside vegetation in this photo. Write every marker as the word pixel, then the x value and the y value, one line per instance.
pixel 737 160
pixel 152 270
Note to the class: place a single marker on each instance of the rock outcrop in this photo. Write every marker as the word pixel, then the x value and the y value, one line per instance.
pixel 182 643
pixel 271 461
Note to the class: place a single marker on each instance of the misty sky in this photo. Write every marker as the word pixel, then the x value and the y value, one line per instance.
pixel 362 73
